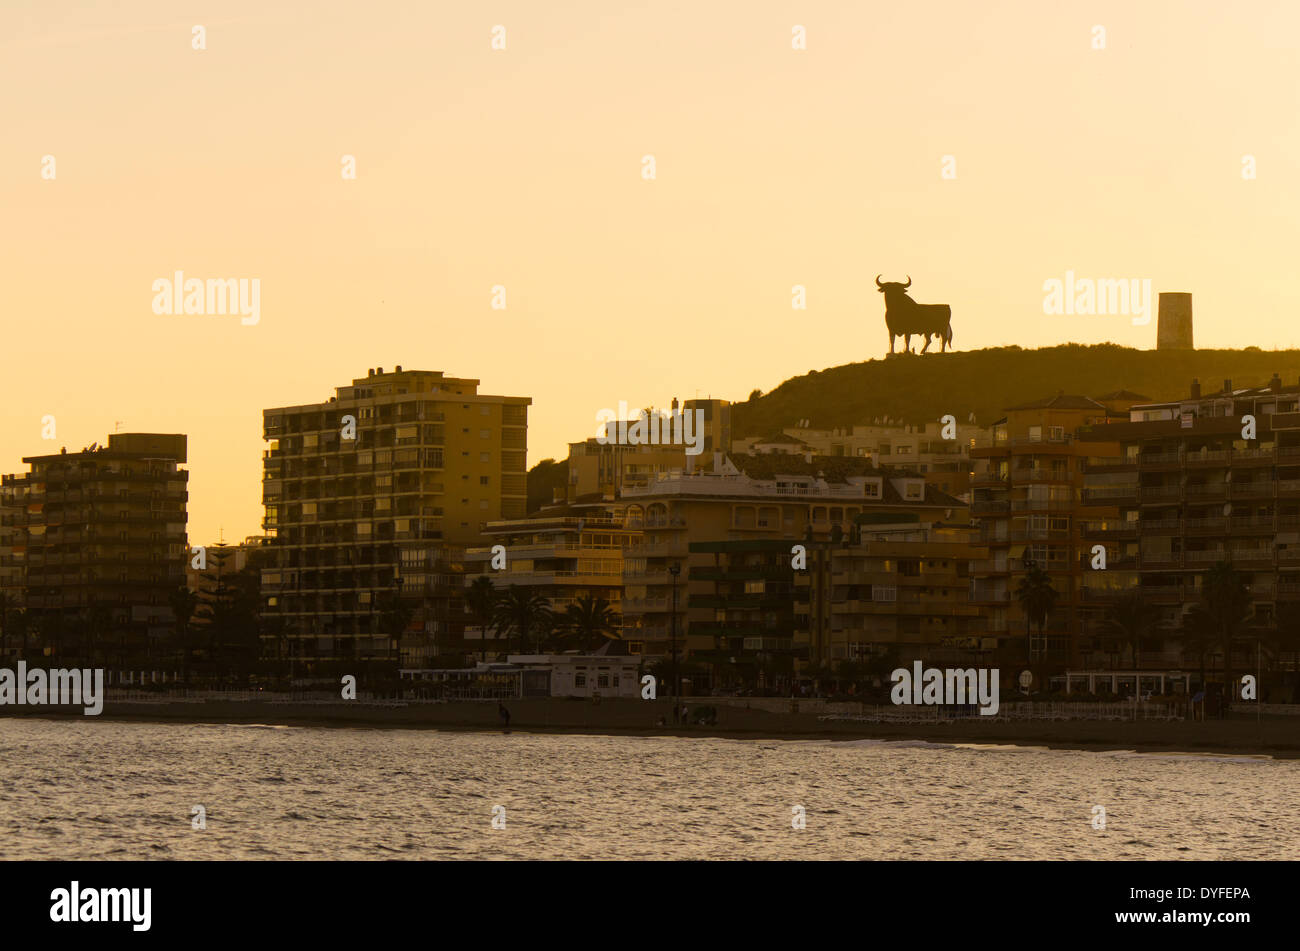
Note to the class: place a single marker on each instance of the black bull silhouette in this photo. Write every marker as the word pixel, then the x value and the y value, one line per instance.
pixel 905 317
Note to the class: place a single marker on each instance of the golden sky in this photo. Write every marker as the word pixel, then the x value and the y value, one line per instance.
pixel 522 167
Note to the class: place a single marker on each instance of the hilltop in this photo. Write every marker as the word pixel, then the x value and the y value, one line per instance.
pixel 921 388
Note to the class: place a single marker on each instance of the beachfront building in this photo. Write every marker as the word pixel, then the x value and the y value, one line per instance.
pixel 797 499
pixel 563 552
pixel 1030 506
pixel 600 675
pixel 371 496
pixel 741 613
pixel 897 588
pixel 1210 478
pixel 93 546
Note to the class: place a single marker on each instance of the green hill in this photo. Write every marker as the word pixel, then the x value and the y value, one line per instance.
pixel 921 388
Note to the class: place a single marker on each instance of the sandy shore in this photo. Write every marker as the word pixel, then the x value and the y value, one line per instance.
pixel 1272 736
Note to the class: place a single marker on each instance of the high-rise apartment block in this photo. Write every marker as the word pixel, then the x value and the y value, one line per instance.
pixel 1211 478
pixel 93 542
pixel 371 497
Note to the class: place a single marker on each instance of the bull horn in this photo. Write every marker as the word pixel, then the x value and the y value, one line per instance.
pixel 909 281
pixel 878 284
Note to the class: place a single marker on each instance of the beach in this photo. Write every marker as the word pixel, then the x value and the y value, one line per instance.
pixel 1241 734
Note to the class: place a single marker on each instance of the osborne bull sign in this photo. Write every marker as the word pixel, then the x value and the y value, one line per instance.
pixel 905 317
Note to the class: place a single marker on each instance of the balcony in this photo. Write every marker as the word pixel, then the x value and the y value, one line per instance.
pixel 1209 457
pixel 1040 474
pixel 1116 529
pixel 1252 457
pixel 1160 493
pixel 1252 490
pixel 1252 554
pixel 1042 505
pixel 1109 493
pixel 1109 464
pixel 1148 460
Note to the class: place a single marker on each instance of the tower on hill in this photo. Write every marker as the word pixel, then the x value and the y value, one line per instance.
pixel 1174 328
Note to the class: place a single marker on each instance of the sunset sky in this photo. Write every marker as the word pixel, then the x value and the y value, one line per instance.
pixel 523 167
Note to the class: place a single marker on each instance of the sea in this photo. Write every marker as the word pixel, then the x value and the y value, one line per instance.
pixel 81 789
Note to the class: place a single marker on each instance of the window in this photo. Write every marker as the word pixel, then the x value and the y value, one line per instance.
pixel 482 480
pixel 580 680
pixel 484 433
pixel 484 456
pixel 755 587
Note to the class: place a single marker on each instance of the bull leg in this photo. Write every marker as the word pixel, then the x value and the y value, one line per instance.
pixel 927 343
pixel 907 343
pixel 891 342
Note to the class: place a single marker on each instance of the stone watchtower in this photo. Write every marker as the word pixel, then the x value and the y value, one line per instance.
pixel 1174 328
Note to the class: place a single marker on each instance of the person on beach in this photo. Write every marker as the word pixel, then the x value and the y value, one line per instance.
pixel 503 713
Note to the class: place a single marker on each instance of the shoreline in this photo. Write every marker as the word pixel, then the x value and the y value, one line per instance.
pixel 1275 737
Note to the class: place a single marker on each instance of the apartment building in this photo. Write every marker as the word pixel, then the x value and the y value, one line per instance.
pixel 93 543
pixel 563 552
pixel 741 613
pixel 602 468
pixel 1030 506
pixel 921 448
pixel 1195 484
pixel 740 497
pixel 371 497
pixel 898 587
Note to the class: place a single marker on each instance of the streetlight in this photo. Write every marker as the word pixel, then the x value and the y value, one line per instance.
pixel 675 569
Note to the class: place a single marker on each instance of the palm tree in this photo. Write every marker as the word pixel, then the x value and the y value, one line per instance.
pixel 276 627
pixel 1132 618
pixel 184 603
pixel 590 621
pixel 1227 602
pixel 1037 597
pixel 8 608
pixel 98 623
pixel 1197 637
pixel 53 627
pixel 520 612
pixel 394 618
pixel 1287 627
pixel 18 621
pixel 481 599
